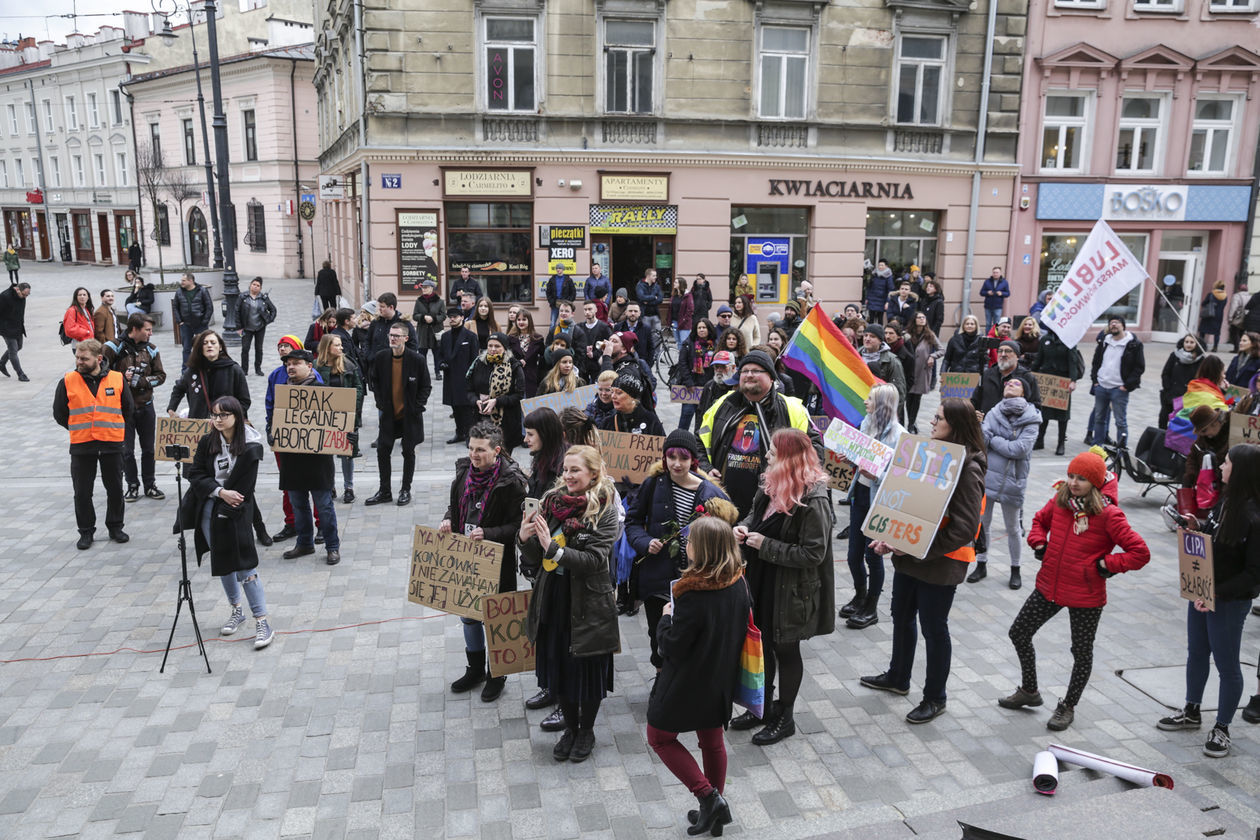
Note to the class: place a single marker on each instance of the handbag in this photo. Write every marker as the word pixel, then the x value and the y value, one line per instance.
pixel 750 689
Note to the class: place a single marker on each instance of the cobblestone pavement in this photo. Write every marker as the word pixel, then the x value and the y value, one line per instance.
pixel 345 727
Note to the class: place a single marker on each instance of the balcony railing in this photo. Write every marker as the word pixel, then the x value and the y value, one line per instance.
pixel 628 132
pixel 782 136
pixel 917 142
pixel 510 129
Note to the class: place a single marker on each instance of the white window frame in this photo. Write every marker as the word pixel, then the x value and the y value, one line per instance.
pixel 4 174
pixel 1162 7
pixel 1082 123
pixel 483 54
pixel 656 51
pixel 98 164
pixel 56 170
pixel 115 104
pixel 19 176
pixel 49 127
pixel 38 166
pixel 249 134
pixel 1091 5
pixel 76 164
pixel 155 143
pixel 1142 126
pixel 13 119
pixel 72 115
pixel 784 56
pixel 93 111
pixel 120 163
pixel 31 125
pixel 945 64
pixel 1229 126
pixel 1233 7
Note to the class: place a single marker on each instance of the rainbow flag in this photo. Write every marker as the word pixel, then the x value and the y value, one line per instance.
pixel 1180 435
pixel 819 351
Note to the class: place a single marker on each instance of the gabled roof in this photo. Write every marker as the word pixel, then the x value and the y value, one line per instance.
pixel 1080 55
pixel 1231 59
pixel 1158 57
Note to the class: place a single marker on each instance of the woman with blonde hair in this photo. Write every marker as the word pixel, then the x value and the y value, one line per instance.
pixel 700 637
pixel 337 371
pixel 787 546
pixel 562 378
pixel 1029 338
pixel 572 618
pixel 964 352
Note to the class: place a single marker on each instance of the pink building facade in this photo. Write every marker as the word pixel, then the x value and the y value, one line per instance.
pixel 1145 113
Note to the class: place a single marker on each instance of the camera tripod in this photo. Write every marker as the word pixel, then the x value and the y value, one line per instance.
pixel 185 587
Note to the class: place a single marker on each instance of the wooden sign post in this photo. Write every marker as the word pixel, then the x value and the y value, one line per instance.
pixel 451 573
pixel 313 419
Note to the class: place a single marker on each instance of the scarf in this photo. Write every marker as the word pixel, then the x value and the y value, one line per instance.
pixel 1080 519
pixel 477 487
pixel 896 347
pixel 1013 407
pixel 1186 357
pixel 702 357
pixel 869 357
pixel 500 383
pixel 566 510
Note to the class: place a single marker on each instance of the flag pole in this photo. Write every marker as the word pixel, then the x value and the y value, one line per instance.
pixel 1181 321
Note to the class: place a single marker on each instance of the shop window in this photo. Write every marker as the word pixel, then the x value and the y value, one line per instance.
pixel 629 65
pixel 920 72
pixel 83 235
pixel 155 141
pixel 1137 147
pixel 784 72
pixel 1059 249
pixel 492 240
pixel 901 238
pixel 1080 4
pixel 771 245
pixel 256 222
pixel 1063 132
pixel 1210 136
pixel 510 56
pixel 163 225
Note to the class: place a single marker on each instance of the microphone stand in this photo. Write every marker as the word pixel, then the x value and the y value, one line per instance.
pixel 185 587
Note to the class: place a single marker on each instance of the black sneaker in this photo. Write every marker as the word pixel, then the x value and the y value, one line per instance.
pixel 154 493
pixel 585 744
pixel 1217 745
pixel 1184 719
pixel 1251 712
pixel 288 532
pixel 564 747
pixel 883 682
pixel 132 494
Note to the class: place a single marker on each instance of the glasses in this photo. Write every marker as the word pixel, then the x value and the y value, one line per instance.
pixel 397 337
pixel 217 416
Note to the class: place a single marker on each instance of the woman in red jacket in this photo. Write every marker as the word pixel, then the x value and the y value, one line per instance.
pixel 1073 535
pixel 77 322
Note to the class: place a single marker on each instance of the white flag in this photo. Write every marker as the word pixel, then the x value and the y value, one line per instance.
pixel 1103 272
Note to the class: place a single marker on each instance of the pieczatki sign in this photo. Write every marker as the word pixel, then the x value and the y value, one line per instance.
pixel 1103 272
pixel 451 573
pixel 313 419
pixel 915 493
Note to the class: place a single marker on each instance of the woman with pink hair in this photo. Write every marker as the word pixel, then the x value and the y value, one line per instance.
pixel 787 548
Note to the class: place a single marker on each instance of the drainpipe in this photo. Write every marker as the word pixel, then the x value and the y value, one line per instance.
pixel 365 184
pixel 297 182
pixel 42 185
pixel 131 109
pixel 981 130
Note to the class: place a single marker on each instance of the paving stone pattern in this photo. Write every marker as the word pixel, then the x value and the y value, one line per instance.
pixel 345 726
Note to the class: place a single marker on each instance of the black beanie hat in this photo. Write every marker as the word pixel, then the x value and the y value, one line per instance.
pixel 682 439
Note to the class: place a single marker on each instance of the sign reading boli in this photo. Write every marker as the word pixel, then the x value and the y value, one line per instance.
pixel 914 494
pixel 1198 577
pixel 959 385
pixel 1056 391
pixel 508 648
pixel 629 457
pixel 451 573
pixel 184 431
pixel 313 419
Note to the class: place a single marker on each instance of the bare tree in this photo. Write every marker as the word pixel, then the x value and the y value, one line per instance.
pixel 152 175
pixel 180 188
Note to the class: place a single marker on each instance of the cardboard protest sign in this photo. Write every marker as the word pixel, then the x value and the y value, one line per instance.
pixel 313 419
pixel 629 457
pixel 578 398
pixel 1198 577
pixel 508 648
pixel 959 385
pixel 1055 391
pixel 684 394
pixel 451 573
pixel 1243 428
pixel 1236 393
pixel 840 473
pixel 184 431
pixel 857 447
pixel 915 493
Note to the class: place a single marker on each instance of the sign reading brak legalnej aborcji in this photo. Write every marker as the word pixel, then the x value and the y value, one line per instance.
pixel 451 573
pixel 313 419
pixel 916 490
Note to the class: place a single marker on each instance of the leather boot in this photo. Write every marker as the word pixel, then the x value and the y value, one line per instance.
pixel 853 606
pixel 714 813
pixel 1062 439
pixel 474 674
pixel 979 573
pixel 867 613
pixel 1041 436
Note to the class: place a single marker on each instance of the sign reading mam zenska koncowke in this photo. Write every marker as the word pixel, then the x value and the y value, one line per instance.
pixel 841 189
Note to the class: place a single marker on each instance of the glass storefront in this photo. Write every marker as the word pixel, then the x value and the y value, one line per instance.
pixel 1059 249
pixel 492 240
pixel 902 238
pixel 771 245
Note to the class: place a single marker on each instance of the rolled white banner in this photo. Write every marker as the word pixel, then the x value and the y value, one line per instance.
pixel 1045 773
pixel 1136 775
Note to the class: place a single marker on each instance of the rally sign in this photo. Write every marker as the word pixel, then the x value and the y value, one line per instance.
pixel 1243 428
pixel 451 573
pixel 840 472
pixel 1198 577
pixel 184 431
pixel 685 394
pixel 912 499
pixel 313 419
pixel 557 402
pixel 1103 272
pixel 858 447
pixel 508 648
pixel 1056 391
pixel 629 458
pixel 958 385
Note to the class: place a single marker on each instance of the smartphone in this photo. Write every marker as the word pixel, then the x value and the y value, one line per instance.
pixel 531 508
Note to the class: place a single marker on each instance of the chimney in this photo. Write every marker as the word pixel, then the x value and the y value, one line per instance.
pixel 136 25
pixel 46 49
pixel 108 33
pixel 75 40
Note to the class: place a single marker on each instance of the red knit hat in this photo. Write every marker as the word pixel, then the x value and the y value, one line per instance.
pixel 1090 467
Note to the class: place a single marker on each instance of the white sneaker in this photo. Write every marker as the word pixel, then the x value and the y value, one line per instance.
pixel 264 635
pixel 234 622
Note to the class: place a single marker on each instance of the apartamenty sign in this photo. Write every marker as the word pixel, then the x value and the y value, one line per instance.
pixel 628 187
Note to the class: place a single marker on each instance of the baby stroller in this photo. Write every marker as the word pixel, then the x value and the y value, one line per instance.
pixel 1152 464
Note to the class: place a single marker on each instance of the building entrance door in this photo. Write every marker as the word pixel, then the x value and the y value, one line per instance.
pixel 102 221
pixel 1175 312
pixel 198 242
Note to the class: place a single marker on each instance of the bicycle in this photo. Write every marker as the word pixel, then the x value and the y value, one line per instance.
pixel 666 353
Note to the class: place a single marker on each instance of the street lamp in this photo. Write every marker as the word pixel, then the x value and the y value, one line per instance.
pixel 231 287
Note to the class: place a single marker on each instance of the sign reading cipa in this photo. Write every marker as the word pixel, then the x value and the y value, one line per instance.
pixel 1144 202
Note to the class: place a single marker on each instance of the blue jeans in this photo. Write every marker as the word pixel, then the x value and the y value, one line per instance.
pixel 247 579
pixel 991 317
pixel 135 309
pixel 302 520
pixel 474 635
pixel 686 415
pixel 1106 401
pixel 917 604
pixel 186 335
pixel 347 471
pixel 866 566
pixel 1218 635
pixel 681 336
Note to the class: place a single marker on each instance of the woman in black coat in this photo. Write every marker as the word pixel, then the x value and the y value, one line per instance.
pixel 701 635
pixel 932 304
pixel 702 296
pixel 1056 358
pixel 141 297
pixel 211 374
pixel 219 507
pixel 1182 366
pixel 496 384
pixel 327 287
pixel 457 350
pixel 964 354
